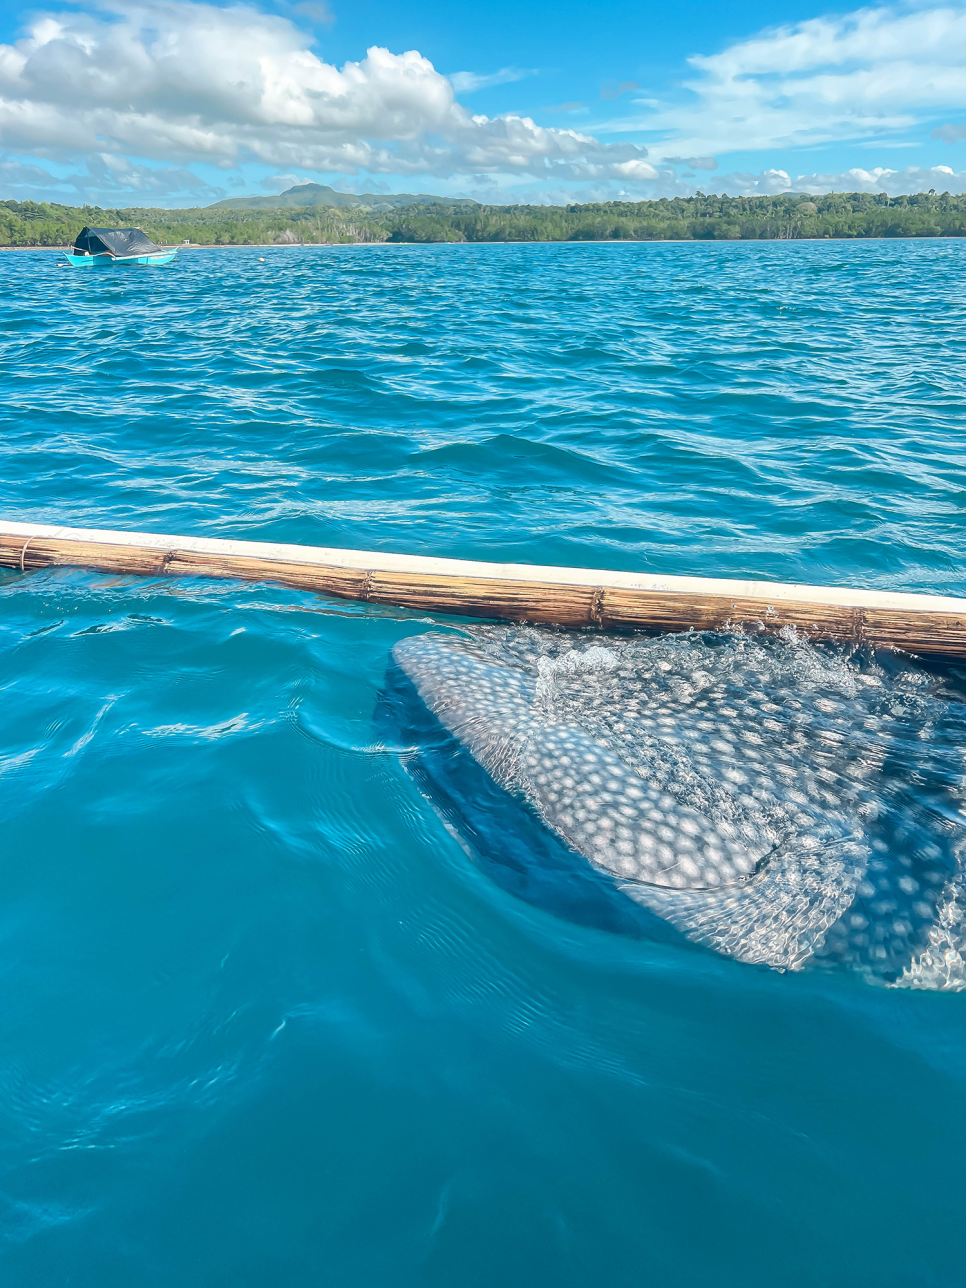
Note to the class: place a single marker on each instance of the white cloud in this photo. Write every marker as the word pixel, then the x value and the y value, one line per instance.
pixel 611 90
pixel 831 79
pixel 879 179
pixel 468 82
pixel 950 133
pixel 316 10
pixel 182 82
pixel 107 179
pixel 129 97
pixel 696 163
pixel 913 178
pixel 763 183
pixel 120 173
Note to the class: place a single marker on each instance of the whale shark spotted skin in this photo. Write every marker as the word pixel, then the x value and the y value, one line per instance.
pixel 779 803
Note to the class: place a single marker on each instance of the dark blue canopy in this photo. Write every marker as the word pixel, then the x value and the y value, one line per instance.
pixel 116 241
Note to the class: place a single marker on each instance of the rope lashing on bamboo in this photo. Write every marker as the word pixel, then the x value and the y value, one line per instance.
pixel 24 551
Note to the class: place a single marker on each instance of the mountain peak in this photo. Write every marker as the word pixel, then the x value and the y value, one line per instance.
pixel 320 194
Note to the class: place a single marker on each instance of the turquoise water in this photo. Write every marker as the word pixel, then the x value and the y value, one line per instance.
pixel 265 1019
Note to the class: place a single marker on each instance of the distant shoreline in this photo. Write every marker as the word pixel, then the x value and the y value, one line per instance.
pixel 788 217
pixel 548 241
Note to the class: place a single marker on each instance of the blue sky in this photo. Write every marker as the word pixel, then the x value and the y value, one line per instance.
pixel 174 102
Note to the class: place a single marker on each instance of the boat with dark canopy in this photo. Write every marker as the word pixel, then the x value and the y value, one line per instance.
pixel 117 246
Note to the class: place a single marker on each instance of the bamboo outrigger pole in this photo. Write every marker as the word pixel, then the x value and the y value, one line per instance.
pixel 512 592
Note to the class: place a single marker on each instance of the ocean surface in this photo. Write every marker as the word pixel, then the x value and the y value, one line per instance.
pixel 267 1017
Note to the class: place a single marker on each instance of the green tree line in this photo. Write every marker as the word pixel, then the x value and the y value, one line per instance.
pixel 700 218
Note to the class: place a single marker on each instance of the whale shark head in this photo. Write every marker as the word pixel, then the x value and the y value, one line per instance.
pixel 779 803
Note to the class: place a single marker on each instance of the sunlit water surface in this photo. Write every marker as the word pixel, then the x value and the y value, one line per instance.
pixel 268 1016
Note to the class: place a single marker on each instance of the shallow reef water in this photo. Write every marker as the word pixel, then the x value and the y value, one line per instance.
pixel 346 945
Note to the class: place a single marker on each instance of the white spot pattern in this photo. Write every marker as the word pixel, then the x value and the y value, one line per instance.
pixel 721 783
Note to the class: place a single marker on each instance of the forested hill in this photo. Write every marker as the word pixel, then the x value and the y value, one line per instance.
pixel 699 218
pixel 320 194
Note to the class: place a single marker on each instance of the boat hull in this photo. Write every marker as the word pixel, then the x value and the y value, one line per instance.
pixel 96 261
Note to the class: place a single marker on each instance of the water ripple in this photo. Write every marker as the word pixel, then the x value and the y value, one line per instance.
pixel 784 411
pixel 264 1017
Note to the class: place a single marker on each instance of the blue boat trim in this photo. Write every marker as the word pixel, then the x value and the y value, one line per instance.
pixel 82 261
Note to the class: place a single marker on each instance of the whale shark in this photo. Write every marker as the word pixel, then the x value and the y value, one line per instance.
pixel 781 803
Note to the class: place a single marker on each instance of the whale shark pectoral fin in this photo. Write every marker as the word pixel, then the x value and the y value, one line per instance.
pixel 485 705
pixel 498 828
pixel 583 790
pixel 780 916
pixel 622 823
